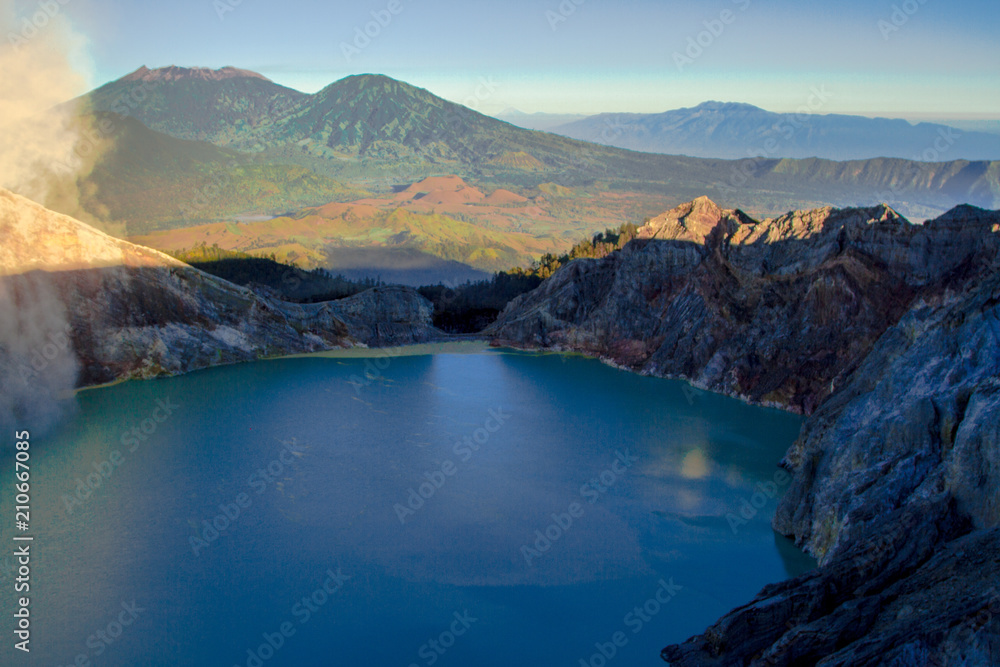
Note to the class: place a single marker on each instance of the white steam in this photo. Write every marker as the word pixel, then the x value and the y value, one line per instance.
pixel 40 69
pixel 41 138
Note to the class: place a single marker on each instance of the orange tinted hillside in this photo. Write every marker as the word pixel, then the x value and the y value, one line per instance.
pixel 441 191
pixel 503 197
pixel 337 210
pixel 440 215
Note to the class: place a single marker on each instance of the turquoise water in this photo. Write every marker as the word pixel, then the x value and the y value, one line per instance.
pixel 391 520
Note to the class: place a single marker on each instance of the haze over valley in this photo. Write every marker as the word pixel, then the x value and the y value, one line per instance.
pixel 228 157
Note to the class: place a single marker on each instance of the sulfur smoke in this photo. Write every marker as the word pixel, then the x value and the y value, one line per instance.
pixel 40 158
pixel 42 139
pixel 38 365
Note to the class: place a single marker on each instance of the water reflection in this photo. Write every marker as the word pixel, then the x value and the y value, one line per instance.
pixel 546 493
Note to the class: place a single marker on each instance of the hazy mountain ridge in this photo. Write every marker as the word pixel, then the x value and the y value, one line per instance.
pixel 737 131
pixel 538 120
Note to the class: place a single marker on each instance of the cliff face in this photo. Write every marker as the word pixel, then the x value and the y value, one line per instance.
pixel 895 489
pixel 918 416
pixel 889 335
pixel 80 307
pixel 779 312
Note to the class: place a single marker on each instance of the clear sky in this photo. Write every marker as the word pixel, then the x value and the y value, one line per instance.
pixel 912 58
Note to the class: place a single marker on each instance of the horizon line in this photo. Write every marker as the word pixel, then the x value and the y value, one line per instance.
pixel 910 116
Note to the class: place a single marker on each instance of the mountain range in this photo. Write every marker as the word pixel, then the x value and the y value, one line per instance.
pixel 373 131
pixel 370 118
pixel 737 131
pixel 538 120
pixel 189 148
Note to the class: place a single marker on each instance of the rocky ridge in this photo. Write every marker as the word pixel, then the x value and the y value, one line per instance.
pixel 778 312
pixel 888 335
pixel 81 308
pixel 174 73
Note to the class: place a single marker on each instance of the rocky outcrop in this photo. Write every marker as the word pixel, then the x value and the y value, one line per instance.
pixel 888 334
pixel 778 312
pixel 80 308
pixel 383 316
pixel 895 490
pixel 908 602
pixel 918 415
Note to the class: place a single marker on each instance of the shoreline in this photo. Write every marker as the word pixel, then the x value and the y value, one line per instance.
pixel 609 361
pixel 465 345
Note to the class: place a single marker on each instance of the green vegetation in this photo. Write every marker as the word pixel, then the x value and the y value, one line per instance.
pixel 601 245
pixel 461 309
pixel 473 306
pixel 152 181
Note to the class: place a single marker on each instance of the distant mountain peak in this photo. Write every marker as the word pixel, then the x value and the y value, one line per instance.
pixel 373 86
pixel 368 79
pixel 973 217
pixel 715 105
pixel 732 130
pixel 174 73
pixel 371 76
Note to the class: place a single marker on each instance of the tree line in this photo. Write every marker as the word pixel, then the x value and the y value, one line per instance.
pixel 466 308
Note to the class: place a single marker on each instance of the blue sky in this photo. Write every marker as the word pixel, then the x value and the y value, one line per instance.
pixel 936 59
